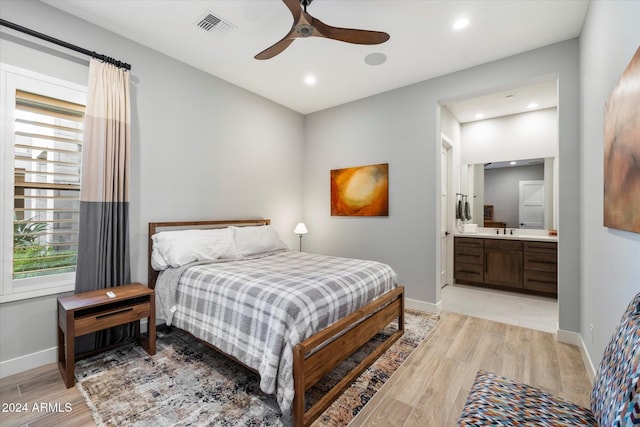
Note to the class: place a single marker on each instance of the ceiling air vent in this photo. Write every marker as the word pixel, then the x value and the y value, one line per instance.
pixel 214 23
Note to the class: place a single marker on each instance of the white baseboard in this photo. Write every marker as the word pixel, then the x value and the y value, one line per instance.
pixel 39 358
pixel 28 361
pixel 427 307
pixel 576 339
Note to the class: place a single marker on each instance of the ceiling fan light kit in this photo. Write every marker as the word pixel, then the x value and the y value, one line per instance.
pixel 305 25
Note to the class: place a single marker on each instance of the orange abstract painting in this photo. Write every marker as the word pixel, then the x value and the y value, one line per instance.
pixel 622 151
pixel 360 191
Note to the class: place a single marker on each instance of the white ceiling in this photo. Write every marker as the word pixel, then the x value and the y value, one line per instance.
pixel 423 44
pixel 513 163
pixel 504 102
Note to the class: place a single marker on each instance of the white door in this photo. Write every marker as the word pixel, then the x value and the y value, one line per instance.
pixel 444 213
pixel 531 210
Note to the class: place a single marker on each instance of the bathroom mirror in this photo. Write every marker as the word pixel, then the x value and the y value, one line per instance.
pixel 514 194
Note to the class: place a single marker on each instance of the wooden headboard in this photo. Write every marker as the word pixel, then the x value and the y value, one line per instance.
pixel 156 227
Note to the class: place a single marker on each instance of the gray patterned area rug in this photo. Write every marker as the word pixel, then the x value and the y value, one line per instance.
pixel 188 384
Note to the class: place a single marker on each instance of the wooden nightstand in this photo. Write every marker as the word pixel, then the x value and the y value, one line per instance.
pixel 93 311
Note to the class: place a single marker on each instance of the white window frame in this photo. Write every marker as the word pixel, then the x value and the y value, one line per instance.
pixel 12 79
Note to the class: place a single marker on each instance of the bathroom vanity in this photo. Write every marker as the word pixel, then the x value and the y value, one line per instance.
pixel 514 262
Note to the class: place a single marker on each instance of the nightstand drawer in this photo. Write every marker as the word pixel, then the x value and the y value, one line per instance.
pixel 109 318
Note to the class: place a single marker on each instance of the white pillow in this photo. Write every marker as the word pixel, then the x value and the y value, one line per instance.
pixel 157 260
pixel 254 240
pixel 176 248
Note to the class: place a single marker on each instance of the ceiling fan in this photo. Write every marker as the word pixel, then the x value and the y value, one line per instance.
pixel 305 25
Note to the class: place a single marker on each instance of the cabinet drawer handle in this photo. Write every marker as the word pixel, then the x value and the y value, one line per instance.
pixel 115 313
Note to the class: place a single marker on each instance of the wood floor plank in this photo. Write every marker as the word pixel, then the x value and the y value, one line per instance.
pixel 466 340
pixel 545 368
pixel 9 391
pixel 433 407
pixel 489 353
pixel 516 362
pixel 450 324
pixel 497 328
pixel 576 384
pixel 417 375
pixel 389 413
pixel 456 406
pixel 408 384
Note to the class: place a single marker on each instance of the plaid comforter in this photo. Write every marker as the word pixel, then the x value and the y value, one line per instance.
pixel 258 309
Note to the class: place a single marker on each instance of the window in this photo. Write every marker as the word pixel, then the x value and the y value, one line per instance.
pixel 42 139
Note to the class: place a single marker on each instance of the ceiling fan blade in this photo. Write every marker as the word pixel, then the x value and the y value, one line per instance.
pixel 349 35
pixel 275 49
pixel 305 25
pixel 295 8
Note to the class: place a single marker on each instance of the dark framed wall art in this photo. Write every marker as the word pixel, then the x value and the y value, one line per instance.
pixel 360 191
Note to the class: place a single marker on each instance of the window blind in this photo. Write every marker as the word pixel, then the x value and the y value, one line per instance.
pixel 47 168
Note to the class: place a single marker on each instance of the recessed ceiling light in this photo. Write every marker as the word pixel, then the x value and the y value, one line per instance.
pixel 513 163
pixel 532 105
pixel 310 80
pixel 460 24
pixel 479 116
pixel 375 58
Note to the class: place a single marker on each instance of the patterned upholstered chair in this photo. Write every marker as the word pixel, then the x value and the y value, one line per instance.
pixel 500 401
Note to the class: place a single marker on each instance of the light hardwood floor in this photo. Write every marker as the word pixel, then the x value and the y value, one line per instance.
pixel 428 390
pixel 431 387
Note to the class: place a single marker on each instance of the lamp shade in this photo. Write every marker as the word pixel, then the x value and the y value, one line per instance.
pixel 300 228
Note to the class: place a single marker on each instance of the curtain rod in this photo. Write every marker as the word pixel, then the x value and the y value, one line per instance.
pixel 65 44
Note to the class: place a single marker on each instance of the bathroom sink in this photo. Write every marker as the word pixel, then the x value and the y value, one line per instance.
pixel 518 234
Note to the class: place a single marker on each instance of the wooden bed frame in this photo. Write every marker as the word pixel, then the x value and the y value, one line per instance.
pixel 319 354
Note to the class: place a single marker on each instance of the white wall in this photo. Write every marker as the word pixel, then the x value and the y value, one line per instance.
pixel 201 149
pixel 402 127
pixel 519 136
pixel 609 257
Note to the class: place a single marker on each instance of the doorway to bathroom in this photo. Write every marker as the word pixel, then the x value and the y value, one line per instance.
pixel 507 126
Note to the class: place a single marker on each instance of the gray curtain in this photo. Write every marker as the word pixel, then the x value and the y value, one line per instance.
pixel 103 237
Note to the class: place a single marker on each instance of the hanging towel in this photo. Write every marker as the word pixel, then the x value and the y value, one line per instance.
pixel 459 210
pixel 467 211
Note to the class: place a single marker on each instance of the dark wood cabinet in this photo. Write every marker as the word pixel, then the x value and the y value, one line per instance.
pixel 519 265
pixel 541 267
pixel 469 259
pixel 503 263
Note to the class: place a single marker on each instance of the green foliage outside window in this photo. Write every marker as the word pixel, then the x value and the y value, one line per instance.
pixel 32 259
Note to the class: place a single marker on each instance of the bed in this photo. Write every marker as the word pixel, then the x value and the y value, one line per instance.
pixel 291 317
